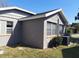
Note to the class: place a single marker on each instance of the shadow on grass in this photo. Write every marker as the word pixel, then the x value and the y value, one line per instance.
pixel 71 52
pixel 75 40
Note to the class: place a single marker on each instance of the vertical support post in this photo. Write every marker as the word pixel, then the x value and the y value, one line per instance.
pixel 57 27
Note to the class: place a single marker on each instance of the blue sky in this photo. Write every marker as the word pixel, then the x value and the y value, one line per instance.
pixel 70 7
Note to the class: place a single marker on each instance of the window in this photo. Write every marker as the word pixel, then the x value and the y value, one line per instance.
pixel 9 27
pixel 60 29
pixel 48 29
pixel 51 28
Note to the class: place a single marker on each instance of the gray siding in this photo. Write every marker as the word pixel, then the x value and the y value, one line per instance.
pixel 11 39
pixel 33 33
pixel 52 19
pixel 30 32
pixel 16 36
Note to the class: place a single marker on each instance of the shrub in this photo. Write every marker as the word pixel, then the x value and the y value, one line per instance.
pixel 68 30
pixel 55 42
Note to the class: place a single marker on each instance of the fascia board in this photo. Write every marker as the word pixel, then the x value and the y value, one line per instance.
pixel 53 12
pixel 8 8
pixel 32 17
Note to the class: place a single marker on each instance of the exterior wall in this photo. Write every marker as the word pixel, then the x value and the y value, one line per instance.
pixel 33 33
pixel 2 27
pixel 4 40
pixel 30 32
pixel 13 14
pixel 15 37
pixel 47 38
pixel 54 19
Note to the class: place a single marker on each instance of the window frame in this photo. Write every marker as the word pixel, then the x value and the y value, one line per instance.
pixel 52 30
pixel 9 27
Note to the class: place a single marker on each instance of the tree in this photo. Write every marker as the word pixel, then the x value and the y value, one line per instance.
pixel 76 25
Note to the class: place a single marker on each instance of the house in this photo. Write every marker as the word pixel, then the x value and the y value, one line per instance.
pixel 10 27
pixel 21 26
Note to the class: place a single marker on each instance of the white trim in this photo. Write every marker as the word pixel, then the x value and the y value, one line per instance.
pixel 31 18
pixel 53 12
pixel 62 13
pixel 43 15
pixel 8 8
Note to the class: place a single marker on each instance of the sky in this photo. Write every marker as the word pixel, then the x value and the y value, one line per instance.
pixel 70 7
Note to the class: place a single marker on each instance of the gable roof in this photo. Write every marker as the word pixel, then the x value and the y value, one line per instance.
pixel 47 14
pixel 17 8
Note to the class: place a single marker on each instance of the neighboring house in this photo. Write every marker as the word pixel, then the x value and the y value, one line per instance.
pixel 20 26
pixel 74 27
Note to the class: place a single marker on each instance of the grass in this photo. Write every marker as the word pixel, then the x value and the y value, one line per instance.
pixel 75 35
pixel 27 52
pixel 32 52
